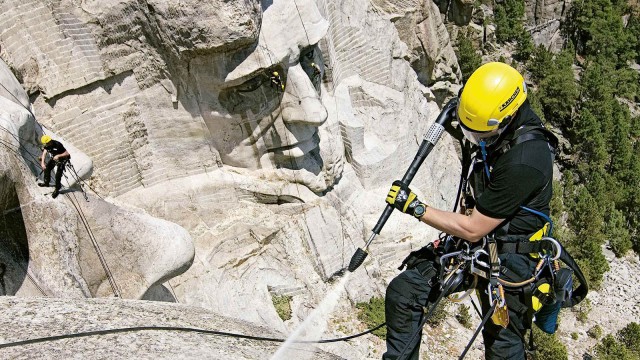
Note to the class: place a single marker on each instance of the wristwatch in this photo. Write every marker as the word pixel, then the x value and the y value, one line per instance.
pixel 419 210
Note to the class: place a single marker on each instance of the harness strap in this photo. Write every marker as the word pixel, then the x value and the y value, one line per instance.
pixel 524 247
pixel 581 291
pixel 527 133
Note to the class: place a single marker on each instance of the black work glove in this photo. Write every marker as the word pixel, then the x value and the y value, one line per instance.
pixel 403 199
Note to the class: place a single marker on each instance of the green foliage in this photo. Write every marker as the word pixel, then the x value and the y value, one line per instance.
pixel 596 28
pixel 540 63
pixel 629 336
pixel 508 17
pixel 372 314
pixel 548 347
pixel 439 314
pixel 524 46
pixel 587 221
pixel 611 349
pixel 574 335
pixel 582 310
pixel 634 29
pixel 559 91
pixel 618 233
pixel 468 56
pixel 282 304
pixel 595 332
pixel 463 316
pixel 534 101
pixel 625 345
pixel 557 203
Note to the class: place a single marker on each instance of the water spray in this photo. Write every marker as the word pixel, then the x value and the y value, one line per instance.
pixel 442 123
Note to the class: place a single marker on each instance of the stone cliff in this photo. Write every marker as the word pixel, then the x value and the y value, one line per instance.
pixel 230 151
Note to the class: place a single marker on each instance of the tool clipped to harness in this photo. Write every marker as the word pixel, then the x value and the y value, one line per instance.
pixel 431 138
pixel 501 312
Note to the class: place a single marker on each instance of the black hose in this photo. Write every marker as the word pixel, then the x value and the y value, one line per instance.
pixel 179 329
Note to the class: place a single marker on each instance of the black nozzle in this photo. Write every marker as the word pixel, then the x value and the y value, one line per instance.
pixel 357 259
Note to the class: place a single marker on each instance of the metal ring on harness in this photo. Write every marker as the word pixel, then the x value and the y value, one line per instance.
pixel 475 256
pixel 503 301
pixel 556 245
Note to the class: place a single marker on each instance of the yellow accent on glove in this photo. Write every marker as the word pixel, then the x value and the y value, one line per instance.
pixel 410 199
pixel 393 193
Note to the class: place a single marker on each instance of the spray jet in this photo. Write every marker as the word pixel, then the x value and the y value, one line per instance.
pixel 442 123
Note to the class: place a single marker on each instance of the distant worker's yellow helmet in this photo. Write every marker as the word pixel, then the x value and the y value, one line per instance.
pixel 489 99
pixel 45 139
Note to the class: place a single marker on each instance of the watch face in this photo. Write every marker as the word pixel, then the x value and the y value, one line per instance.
pixel 419 210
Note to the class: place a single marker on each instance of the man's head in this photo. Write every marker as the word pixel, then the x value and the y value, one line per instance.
pixel 489 100
pixel 45 139
pixel 261 104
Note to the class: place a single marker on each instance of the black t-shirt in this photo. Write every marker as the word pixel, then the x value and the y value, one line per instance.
pixel 520 176
pixel 55 148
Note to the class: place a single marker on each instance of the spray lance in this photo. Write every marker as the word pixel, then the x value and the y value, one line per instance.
pixel 443 122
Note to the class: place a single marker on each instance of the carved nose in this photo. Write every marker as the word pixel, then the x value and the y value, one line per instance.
pixel 302 104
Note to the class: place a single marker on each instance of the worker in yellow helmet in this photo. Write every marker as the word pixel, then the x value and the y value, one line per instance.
pixel 59 158
pixel 276 81
pixel 510 161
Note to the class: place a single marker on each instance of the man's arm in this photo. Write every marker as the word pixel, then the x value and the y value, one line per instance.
pixel 471 228
pixel 44 156
pixel 64 154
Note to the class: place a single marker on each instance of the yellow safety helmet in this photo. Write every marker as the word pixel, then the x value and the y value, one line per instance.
pixel 489 99
pixel 45 139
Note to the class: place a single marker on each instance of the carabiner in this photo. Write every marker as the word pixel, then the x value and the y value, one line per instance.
pixel 556 245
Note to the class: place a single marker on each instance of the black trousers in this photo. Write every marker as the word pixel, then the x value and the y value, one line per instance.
pixel 406 296
pixel 410 292
pixel 59 165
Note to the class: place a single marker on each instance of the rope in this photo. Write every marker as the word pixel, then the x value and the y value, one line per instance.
pixel 103 262
pixel 302 22
pixel 475 334
pixel 178 329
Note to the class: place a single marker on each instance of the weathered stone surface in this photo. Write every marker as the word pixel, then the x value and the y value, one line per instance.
pixel 421 28
pixel 265 183
pixel 32 318
pixel 539 12
pixel 68 246
pixel 191 128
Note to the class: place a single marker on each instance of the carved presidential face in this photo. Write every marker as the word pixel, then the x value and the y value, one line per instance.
pixel 262 104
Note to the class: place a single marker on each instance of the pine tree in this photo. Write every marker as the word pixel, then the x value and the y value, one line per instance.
pixel 468 56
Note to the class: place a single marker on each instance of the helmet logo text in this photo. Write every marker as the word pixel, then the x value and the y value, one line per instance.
pixel 510 99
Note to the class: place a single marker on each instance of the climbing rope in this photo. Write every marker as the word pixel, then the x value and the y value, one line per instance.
pixel 103 261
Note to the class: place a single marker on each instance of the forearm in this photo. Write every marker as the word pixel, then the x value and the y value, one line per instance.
pixel 64 154
pixel 43 157
pixel 453 224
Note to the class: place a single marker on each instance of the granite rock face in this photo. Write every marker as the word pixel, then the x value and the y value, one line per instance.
pixel 72 246
pixel 48 317
pixel 238 152
pixel 250 143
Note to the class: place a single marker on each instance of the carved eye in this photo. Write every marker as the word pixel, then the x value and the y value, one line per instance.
pixel 309 54
pixel 257 94
pixel 251 84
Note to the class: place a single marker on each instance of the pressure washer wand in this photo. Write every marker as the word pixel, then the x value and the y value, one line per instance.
pixel 428 143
